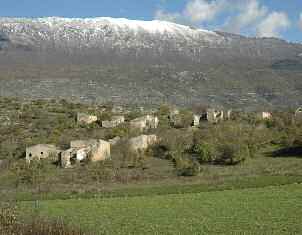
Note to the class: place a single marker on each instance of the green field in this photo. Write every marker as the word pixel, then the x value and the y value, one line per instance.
pixel 269 210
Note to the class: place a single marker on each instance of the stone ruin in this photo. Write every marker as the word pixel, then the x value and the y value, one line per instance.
pixel 264 115
pixel 85 150
pixel 196 120
pixel 79 151
pixel 210 115
pixel 84 118
pixel 114 122
pixel 214 116
pixel 229 114
pixel 41 151
pixel 145 123
pixel 298 112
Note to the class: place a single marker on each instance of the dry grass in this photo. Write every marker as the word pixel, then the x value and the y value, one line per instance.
pixel 10 224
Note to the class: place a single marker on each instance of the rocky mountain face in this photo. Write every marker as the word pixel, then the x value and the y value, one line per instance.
pixel 145 62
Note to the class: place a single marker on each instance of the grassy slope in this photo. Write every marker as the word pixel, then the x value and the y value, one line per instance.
pixel 270 210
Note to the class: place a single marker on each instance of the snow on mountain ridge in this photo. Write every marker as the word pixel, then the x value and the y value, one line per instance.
pixel 105 32
pixel 154 26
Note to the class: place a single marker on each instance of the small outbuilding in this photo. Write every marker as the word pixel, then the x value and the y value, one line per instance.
pixel 84 118
pixel 41 151
pixel 214 116
pixel 229 115
pixel 196 120
pixel 264 115
pixel 298 112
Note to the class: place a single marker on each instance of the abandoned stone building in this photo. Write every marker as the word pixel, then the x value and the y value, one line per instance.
pixel 173 112
pixel 264 115
pixel 114 122
pixel 5 120
pixel 142 142
pixel 214 116
pixel 84 118
pixel 85 150
pixel 210 115
pixel 196 120
pixel 145 122
pixel 229 114
pixel 298 112
pixel 41 151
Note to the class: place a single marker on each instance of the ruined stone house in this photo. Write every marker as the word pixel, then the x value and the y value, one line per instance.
pixel 173 112
pixel 81 150
pixel 214 116
pixel 142 142
pixel 84 118
pixel 41 151
pixel 196 120
pixel 264 115
pixel 229 114
pixel 114 122
pixel 298 112
pixel 145 123
pixel 5 120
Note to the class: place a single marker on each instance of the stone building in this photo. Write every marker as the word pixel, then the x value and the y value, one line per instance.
pixel 85 150
pixel 196 120
pixel 145 123
pixel 229 115
pixel 298 112
pixel 84 118
pixel 100 151
pixel 214 116
pixel 264 115
pixel 41 151
pixel 114 122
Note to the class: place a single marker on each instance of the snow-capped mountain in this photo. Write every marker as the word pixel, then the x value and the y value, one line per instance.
pixel 131 37
pixel 102 33
pixel 133 60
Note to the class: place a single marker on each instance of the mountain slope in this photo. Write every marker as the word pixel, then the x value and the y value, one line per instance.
pixel 102 59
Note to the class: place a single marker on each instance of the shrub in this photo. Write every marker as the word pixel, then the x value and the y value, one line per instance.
pixel 185 166
pixel 222 144
pixel 206 152
pixel 231 153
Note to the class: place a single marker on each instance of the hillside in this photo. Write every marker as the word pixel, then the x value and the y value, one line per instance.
pixel 145 62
